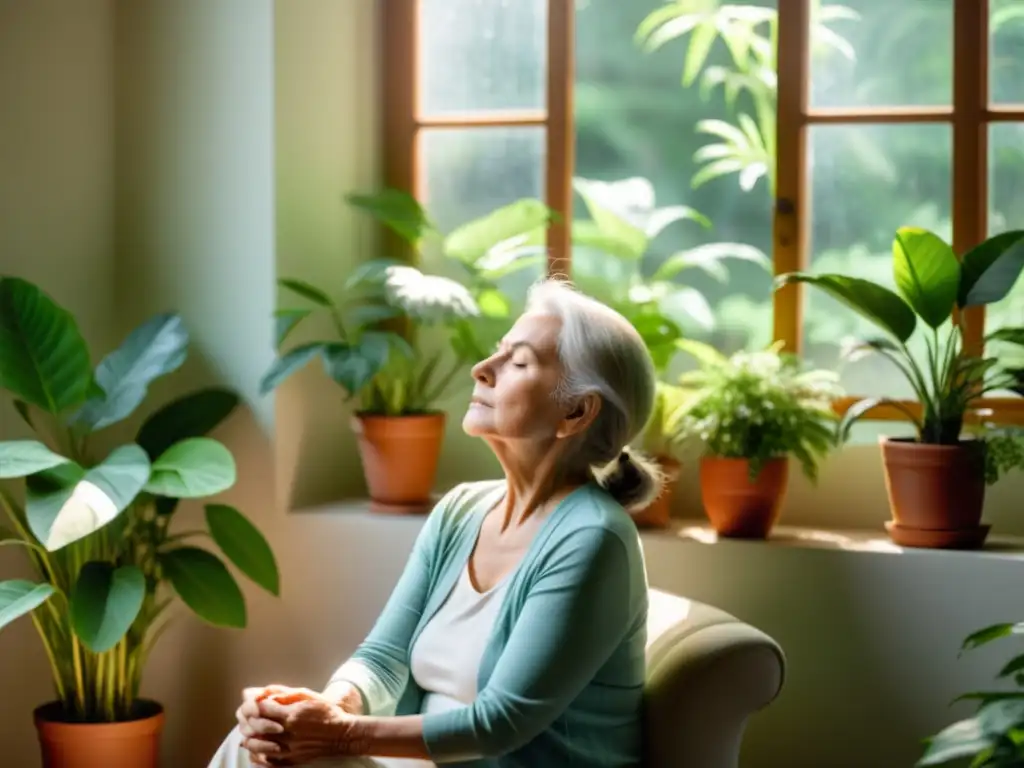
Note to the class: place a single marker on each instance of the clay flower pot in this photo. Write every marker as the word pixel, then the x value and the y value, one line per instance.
pixel 131 744
pixel 658 513
pixel 936 493
pixel 400 455
pixel 737 507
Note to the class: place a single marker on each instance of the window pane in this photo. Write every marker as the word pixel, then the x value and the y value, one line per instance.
pixel 867 181
pixel 1006 211
pixel 1006 57
pixel 483 55
pixel 875 53
pixel 469 172
pixel 665 143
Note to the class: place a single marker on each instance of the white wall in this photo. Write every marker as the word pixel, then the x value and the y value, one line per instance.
pixel 206 163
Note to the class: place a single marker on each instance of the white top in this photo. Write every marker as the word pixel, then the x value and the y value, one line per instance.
pixel 445 659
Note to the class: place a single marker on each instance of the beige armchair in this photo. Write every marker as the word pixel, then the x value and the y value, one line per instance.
pixel 707 673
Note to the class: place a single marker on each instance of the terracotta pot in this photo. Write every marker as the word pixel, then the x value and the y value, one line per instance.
pixel 737 507
pixel 131 744
pixel 400 455
pixel 658 513
pixel 934 487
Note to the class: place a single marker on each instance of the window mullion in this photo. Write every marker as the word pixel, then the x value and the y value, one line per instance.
pixel 561 139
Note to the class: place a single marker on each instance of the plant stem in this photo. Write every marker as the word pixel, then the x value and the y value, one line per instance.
pixel 54 667
pixel 76 658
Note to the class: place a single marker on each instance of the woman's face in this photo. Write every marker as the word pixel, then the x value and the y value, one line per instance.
pixel 513 395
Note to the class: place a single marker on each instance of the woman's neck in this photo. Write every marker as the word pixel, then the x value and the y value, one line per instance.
pixel 534 480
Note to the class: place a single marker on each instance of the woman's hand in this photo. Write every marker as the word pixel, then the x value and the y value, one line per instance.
pixel 292 728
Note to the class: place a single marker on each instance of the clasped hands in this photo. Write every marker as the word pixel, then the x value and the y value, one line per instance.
pixel 284 726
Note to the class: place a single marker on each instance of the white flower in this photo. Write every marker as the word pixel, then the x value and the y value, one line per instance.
pixel 427 298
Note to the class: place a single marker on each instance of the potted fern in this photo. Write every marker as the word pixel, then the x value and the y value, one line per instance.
pixel 401 337
pixel 748 414
pixel 95 520
pixel 936 480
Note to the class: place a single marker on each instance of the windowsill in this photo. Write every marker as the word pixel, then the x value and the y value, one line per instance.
pixel 697 531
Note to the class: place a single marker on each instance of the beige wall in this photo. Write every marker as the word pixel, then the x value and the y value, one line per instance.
pixel 239 124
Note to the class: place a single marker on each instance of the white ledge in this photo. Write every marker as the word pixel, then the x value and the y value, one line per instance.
pixel 696 531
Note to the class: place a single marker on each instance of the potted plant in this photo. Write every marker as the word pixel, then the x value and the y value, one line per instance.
pixel 935 480
pixel 660 440
pixel 748 414
pixel 400 337
pixel 992 737
pixel 95 521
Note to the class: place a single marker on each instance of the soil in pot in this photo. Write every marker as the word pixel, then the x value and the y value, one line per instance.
pixel 736 506
pixel 130 744
pixel 400 455
pixel 935 488
pixel 658 513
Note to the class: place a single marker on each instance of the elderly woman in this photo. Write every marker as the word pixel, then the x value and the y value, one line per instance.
pixel 516 634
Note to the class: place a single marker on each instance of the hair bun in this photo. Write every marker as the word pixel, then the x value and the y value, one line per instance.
pixel 632 479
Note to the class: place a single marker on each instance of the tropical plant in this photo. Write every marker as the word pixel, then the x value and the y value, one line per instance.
pixel 662 434
pixel 931 285
pixel 377 354
pixel 96 523
pixel 758 406
pixel 624 220
pixel 994 736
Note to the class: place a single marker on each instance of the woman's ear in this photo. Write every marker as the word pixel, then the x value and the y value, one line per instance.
pixel 580 416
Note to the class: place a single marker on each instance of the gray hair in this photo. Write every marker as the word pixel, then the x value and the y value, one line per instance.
pixel 601 352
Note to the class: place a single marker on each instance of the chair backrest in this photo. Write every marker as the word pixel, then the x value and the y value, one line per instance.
pixel 707 672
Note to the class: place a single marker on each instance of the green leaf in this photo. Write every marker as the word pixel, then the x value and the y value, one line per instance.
pixel 988 634
pixel 371 273
pixel 244 546
pixel 609 205
pixel 1007 335
pixel 193 415
pixel 349 366
pixel 874 302
pixel 366 315
pixel 493 303
pixel 705 354
pixel 67 503
pixel 19 458
pixel 1013 666
pixel 205 585
pixel 22 408
pixel 152 350
pixel 43 358
pixel 306 291
pixel 18 597
pixel 286 321
pixel 473 240
pixel 192 468
pixel 397 210
pixel 287 364
pixel 990 270
pixel 708 258
pixel 105 601
pixel 927 273
pixel 962 739
pixel 621 239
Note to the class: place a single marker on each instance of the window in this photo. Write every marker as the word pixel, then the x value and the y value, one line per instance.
pixel 746 138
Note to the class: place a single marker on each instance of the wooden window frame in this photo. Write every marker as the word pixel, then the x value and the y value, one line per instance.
pixel 970 114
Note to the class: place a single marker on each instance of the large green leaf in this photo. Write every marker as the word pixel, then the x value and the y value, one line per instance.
pixel 1007 335
pixel 874 302
pixel 306 291
pixel 18 597
pixel 927 273
pixel 105 600
pixel 287 364
pixel 43 358
pixel 19 458
pixel 990 270
pixel 397 210
pixel 194 415
pixel 962 739
pixel 243 545
pixel 991 633
pixel 346 364
pixel 152 350
pixel 617 210
pixel 193 468
pixel 67 503
pixel 205 585
pixel 473 240
pixel 286 321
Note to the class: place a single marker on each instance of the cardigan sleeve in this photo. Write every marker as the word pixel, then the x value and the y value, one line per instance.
pixel 379 668
pixel 574 617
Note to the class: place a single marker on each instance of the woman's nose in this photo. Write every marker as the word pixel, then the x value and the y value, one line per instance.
pixel 483 373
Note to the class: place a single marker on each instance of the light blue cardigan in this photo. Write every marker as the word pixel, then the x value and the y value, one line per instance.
pixel 561 680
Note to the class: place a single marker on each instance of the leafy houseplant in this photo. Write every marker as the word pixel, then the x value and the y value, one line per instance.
pixel 401 336
pixel 96 523
pixel 994 736
pixel 660 439
pixel 749 412
pixel 945 508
